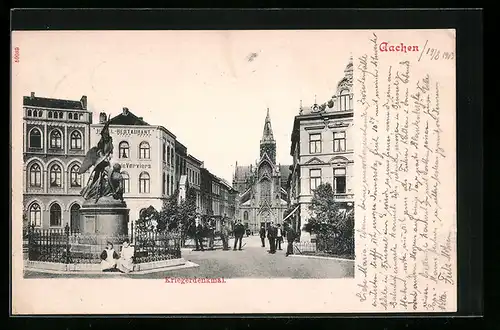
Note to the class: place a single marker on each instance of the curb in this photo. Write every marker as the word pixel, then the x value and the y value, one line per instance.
pixel 319 257
pixel 188 264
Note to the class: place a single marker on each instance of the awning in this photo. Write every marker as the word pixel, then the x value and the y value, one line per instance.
pixel 295 209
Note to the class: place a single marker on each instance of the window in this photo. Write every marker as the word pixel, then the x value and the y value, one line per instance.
pixel 126 182
pixel 339 180
pixel 60 115
pixel 172 156
pixel 245 215
pixel 172 184
pixel 76 140
pixel 164 181
pixel 144 183
pixel 55 139
pixel 74 176
pixel 168 184
pixel 123 150
pixel 339 141
pixel 40 113
pixel 314 143
pixel 55 176
pixel 70 116
pixel 55 215
pixel 315 178
pixel 29 113
pixel 144 150
pixel 74 217
pixel 35 215
pixel 50 114
pixel 168 155
pixel 164 152
pixel 35 138
pixel 35 175
pixel 345 100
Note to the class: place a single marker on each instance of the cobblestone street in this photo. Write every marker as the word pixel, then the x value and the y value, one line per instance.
pixel 252 262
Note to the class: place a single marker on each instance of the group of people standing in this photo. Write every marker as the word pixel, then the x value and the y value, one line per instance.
pixel 275 234
pixel 208 231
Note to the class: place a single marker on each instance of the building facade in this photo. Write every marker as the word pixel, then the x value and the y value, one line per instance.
pixel 262 188
pixel 193 167
pixel 322 151
pixel 56 138
pixel 148 159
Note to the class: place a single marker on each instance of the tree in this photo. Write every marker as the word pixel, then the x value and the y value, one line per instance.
pixel 168 214
pixel 325 216
pixel 147 218
pixel 334 229
pixel 186 215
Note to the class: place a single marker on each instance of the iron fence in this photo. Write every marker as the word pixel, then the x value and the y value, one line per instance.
pixel 64 246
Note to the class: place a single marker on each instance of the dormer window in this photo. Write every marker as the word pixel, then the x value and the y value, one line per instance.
pixel 345 100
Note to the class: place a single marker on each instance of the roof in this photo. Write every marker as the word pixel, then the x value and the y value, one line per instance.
pixel 128 118
pixel 179 146
pixel 43 102
pixel 284 172
pixel 194 159
pixel 242 172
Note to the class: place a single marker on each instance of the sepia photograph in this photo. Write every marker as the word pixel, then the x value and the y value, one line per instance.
pixel 176 166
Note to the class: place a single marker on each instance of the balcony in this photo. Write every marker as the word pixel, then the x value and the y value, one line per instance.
pixel 344 197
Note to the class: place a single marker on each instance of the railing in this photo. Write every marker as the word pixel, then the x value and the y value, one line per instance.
pixel 331 246
pixel 64 246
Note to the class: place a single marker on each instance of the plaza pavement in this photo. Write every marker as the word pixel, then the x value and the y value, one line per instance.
pixel 252 262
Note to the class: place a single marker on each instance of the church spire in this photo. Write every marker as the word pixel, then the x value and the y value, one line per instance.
pixel 267 134
pixel 267 143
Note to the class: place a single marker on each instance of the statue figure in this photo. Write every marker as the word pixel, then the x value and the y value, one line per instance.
pixel 105 180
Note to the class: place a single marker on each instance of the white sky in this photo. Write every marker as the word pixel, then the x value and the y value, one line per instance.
pixel 199 85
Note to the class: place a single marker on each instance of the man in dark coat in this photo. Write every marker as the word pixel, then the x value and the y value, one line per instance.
pixel 224 234
pixel 198 234
pixel 239 231
pixel 290 237
pixel 279 237
pixel 262 234
pixel 271 235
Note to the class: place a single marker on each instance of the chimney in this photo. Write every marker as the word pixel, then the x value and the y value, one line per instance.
pixel 125 111
pixel 32 95
pixel 83 101
pixel 102 118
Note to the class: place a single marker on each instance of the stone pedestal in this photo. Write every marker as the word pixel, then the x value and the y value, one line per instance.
pixel 106 217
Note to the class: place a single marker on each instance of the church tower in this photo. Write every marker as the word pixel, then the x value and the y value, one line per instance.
pixel 267 143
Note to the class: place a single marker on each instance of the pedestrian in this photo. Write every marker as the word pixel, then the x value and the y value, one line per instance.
pixel 262 234
pixel 224 235
pixel 279 236
pixel 126 262
pixel 290 238
pixel 271 236
pixel 211 234
pixel 239 231
pixel 198 234
pixel 108 258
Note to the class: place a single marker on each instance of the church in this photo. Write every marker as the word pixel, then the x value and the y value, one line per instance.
pixel 262 186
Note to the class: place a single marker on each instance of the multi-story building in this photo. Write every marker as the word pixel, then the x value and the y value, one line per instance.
pixel 193 167
pixel 147 157
pixel 55 141
pixel 322 151
pixel 262 188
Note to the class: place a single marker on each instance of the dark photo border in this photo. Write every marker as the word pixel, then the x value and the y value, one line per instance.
pixel 469 43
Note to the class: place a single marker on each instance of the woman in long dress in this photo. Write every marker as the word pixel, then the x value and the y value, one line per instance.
pixel 126 262
pixel 108 258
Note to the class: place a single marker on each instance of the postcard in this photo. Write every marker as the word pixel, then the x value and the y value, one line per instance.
pixel 233 171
